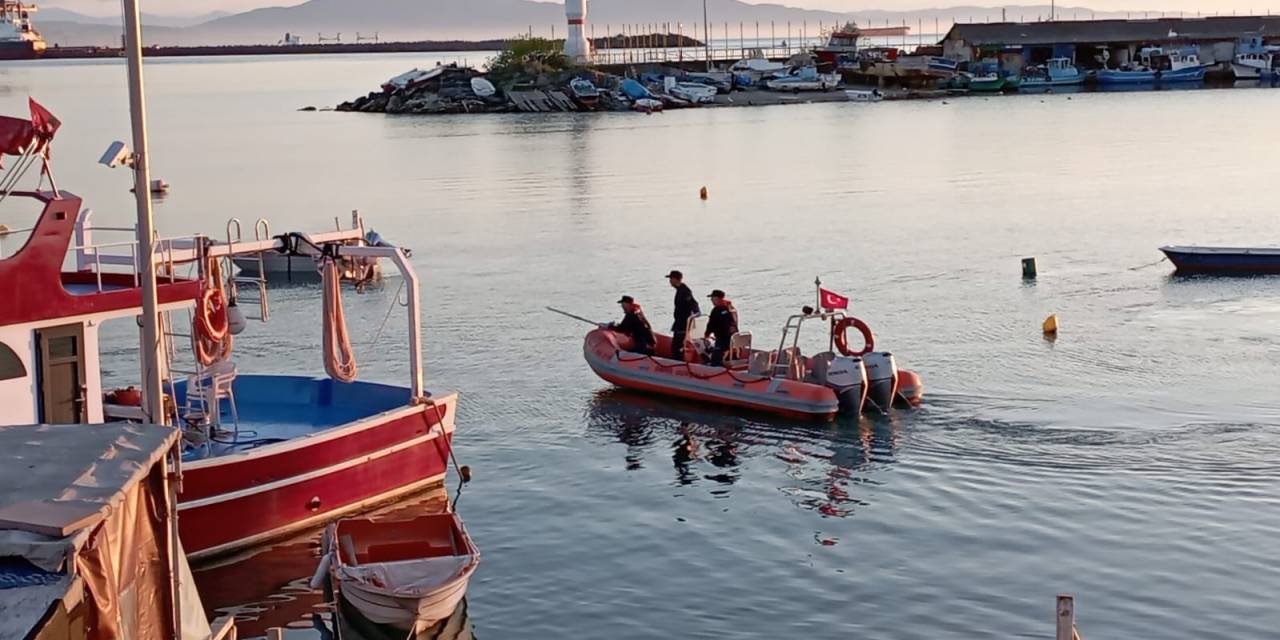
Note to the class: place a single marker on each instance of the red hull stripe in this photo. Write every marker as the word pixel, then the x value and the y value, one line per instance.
pixel 270 464
pixel 629 383
pixel 223 526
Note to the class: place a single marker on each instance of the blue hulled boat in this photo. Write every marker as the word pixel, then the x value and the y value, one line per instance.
pixel 1156 66
pixel 1224 260
pixel 1056 72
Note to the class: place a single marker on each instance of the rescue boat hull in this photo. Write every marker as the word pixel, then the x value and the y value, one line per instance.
pixel 607 357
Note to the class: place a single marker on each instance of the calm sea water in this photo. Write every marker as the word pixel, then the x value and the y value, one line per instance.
pixel 1134 461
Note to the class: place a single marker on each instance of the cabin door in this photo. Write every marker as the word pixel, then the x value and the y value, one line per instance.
pixel 62 375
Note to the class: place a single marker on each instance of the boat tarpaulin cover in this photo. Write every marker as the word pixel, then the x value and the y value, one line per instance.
pixel 117 553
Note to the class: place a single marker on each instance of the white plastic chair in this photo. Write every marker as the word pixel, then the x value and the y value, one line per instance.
pixel 215 382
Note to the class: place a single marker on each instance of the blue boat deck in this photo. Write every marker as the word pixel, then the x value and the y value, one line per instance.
pixel 275 409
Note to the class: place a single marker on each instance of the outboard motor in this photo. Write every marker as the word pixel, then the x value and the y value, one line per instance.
pixel 848 377
pixel 882 378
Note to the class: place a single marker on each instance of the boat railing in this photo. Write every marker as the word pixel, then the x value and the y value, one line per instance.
pixel 121 256
pixel 14 235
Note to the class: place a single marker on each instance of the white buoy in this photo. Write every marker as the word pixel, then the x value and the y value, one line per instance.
pixel 576 46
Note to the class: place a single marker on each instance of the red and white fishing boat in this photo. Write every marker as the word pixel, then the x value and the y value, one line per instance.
pixel 784 381
pixel 409 574
pixel 265 455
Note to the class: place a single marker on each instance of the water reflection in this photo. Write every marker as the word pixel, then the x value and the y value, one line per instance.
pixel 830 467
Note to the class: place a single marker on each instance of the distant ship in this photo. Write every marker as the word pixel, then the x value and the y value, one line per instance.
pixel 19 40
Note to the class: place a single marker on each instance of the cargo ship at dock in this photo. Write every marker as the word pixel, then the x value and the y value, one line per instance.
pixel 19 39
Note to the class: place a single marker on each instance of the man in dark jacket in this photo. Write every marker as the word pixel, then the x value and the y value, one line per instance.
pixel 686 307
pixel 635 326
pixel 722 325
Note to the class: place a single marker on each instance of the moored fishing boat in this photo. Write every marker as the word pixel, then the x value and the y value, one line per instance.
pixel 407 574
pixel 1224 260
pixel 1256 65
pixel 1055 72
pixel 265 455
pixel 1156 66
pixel 784 381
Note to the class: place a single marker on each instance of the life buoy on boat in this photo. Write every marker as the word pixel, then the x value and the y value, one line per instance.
pixel 839 332
pixel 212 314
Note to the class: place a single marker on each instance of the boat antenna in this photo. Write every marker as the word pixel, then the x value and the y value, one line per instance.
pixel 153 392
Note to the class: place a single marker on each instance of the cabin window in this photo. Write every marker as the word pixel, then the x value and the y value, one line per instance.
pixel 10 364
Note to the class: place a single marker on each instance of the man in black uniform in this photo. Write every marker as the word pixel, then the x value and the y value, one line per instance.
pixel 686 307
pixel 635 326
pixel 722 325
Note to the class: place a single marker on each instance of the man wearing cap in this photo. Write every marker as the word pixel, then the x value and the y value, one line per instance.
pixel 722 325
pixel 686 307
pixel 635 326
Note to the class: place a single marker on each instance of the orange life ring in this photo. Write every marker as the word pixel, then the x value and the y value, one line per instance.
pixel 838 333
pixel 212 315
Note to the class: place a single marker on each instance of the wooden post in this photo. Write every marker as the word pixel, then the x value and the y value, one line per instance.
pixel 1066 618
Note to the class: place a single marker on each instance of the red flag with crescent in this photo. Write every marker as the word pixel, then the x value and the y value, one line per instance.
pixel 44 122
pixel 832 300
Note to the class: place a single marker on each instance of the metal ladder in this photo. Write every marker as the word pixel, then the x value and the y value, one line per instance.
pixel 256 285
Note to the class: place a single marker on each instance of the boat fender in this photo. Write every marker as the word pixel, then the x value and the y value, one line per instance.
pixel 212 315
pixel 839 332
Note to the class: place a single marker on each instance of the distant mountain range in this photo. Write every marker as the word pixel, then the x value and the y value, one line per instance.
pixel 409 20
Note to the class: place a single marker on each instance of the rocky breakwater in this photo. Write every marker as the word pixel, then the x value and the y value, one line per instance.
pixel 441 89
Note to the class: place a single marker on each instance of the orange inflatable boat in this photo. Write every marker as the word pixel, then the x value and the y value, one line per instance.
pixel 783 382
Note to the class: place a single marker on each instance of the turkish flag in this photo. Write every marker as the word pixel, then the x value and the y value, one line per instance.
pixel 832 300
pixel 44 122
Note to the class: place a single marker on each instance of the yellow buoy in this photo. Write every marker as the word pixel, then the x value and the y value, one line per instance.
pixel 703 193
pixel 1051 325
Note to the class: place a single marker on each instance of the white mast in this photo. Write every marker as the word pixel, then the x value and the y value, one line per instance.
pixel 153 391
pixel 576 46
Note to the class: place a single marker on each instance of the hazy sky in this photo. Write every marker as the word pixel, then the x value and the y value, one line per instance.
pixel 192 7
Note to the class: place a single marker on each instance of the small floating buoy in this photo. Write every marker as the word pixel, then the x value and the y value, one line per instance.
pixel 1029 268
pixel 1051 325
pixel 704 194
pixel 465 472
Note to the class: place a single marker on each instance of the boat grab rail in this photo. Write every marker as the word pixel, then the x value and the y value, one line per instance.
pixel 5 232
pixel 688 367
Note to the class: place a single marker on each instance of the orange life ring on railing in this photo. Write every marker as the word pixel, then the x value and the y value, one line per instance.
pixel 838 333
pixel 211 317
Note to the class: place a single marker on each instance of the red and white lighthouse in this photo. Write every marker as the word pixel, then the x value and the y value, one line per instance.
pixel 576 46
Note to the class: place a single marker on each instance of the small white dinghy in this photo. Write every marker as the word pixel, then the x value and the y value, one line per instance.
pixel 410 574
pixel 483 88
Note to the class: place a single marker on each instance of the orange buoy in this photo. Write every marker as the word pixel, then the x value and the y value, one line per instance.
pixel 704 193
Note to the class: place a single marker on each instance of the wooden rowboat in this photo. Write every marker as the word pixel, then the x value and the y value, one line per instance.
pixel 410 574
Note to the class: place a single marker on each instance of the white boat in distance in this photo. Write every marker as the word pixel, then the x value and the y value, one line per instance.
pixel 863 95
pixel 694 92
pixel 1255 66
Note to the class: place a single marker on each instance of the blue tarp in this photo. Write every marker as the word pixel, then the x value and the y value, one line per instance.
pixel 633 89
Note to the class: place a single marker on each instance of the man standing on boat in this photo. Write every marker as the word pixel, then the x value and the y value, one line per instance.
pixel 722 325
pixel 686 307
pixel 635 326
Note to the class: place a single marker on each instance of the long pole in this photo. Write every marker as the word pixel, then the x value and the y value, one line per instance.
pixel 153 393
pixel 153 400
pixel 706 33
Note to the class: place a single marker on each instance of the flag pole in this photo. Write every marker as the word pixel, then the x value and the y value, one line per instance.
pixel 817 293
pixel 153 393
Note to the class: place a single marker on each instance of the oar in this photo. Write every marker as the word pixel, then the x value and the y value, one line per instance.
pixel 575 317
